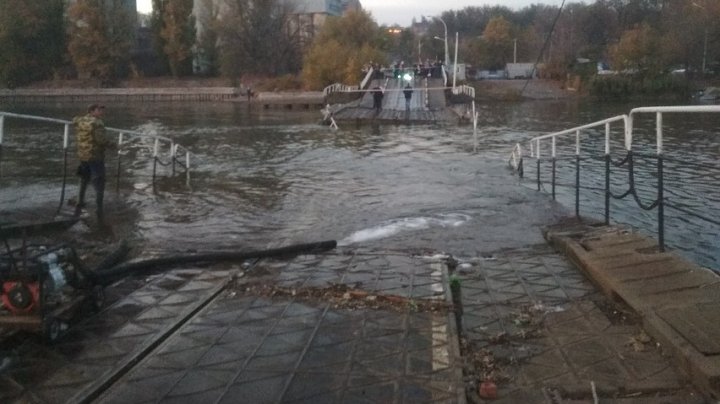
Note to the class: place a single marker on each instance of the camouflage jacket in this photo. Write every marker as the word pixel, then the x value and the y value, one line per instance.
pixel 90 138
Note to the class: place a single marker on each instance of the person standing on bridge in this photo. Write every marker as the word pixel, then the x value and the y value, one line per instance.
pixel 378 95
pixel 91 145
pixel 408 96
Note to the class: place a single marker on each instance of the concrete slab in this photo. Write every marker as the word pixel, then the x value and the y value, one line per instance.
pixel 245 347
pixel 638 270
pixel 547 353
pixel 679 302
pixel 95 351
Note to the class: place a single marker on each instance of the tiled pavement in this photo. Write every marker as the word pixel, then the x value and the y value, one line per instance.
pixel 96 349
pixel 547 329
pixel 551 335
pixel 245 348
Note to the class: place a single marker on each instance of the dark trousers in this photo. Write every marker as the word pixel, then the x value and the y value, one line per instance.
pixel 92 171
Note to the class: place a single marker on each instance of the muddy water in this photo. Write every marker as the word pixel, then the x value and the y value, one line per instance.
pixel 271 178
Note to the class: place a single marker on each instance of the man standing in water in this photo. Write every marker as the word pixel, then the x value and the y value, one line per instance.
pixel 91 145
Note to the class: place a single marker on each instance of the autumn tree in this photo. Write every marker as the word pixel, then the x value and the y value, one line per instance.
pixel 498 41
pixel 178 35
pixel 31 40
pixel 157 22
pixel 100 37
pixel 342 47
pixel 637 50
pixel 207 42
pixel 254 37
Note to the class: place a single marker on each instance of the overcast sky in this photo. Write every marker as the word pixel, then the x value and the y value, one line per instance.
pixel 401 12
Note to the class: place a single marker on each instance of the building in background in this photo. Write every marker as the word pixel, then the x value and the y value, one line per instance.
pixel 306 18
pixel 310 15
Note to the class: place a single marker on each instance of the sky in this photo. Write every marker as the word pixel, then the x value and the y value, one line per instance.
pixel 402 12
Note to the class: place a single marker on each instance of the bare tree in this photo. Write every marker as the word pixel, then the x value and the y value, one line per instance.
pixel 255 37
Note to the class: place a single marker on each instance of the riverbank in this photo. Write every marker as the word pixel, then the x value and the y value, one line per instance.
pixel 516 90
pixel 214 89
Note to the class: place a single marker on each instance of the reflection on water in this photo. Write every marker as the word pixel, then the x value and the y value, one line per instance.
pixel 271 178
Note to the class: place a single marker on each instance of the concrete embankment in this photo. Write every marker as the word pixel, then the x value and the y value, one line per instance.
pixel 265 100
pixel 32 95
pixel 678 301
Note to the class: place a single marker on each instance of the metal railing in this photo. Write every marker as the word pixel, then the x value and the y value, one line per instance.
pixel 368 77
pixel 159 142
pixel 539 145
pixel 464 89
pixel 339 88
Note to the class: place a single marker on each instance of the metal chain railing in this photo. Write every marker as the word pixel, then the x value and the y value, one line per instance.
pixel 122 135
pixel 628 160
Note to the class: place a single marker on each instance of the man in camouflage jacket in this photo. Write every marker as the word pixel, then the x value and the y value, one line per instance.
pixel 91 145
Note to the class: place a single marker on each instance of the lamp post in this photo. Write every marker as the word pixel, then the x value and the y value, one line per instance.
pixel 455 69
pixel 706 35
pixel 447 53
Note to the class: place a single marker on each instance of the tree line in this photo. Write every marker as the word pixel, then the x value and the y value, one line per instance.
pixel 47 39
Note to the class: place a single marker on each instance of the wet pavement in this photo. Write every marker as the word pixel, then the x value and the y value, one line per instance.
pixel 96 350
pixel 189 335
pixel 531 323
pixel 249 348
pixel 542 332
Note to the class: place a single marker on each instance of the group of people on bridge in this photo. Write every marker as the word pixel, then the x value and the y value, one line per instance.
pixel 378 93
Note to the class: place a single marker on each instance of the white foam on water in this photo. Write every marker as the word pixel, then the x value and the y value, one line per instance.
pixel 396 226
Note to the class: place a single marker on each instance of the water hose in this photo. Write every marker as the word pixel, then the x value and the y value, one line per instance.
pixel 108 276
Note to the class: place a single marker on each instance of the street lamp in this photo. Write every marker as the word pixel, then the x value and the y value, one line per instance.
pixel 447 53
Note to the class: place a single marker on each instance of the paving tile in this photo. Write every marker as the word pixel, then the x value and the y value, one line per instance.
pixel 576 342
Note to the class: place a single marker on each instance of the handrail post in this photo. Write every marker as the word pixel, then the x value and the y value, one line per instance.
pixel 577 174
pixel 554 161
pixel 66 136
pixel 538 164
pixel 521 170
pixel 172 157
pixel 155 157
pixel 187 168
pixel 661 184
pixel 117 177
pixel 2 132
pixel 475 122
pixel 607 173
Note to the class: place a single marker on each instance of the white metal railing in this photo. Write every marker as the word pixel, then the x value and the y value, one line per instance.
pixel 339 88
pixel 536 151
pixel 535 145
pixel 121 133
pixel 158 143
pixel 367 78
pixel 464 89
pixel 659 111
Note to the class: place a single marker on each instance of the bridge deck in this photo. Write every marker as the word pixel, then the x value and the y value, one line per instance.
pixel 426 105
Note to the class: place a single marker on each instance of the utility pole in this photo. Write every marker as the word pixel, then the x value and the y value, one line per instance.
pixel 515 50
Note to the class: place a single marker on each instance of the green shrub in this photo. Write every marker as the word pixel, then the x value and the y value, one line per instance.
pixel 624 86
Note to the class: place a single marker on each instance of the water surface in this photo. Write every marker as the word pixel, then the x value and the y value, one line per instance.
pixel 274 177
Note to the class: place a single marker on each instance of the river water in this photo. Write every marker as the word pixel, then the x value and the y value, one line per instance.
pixel 275 177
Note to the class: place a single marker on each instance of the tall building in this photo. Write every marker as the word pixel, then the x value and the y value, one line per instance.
pixel 310 15
pixel 306 17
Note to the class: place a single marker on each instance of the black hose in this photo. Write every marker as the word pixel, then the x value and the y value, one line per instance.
pixel 108 276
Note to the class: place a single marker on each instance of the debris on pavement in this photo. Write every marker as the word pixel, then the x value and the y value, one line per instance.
pixel 344 296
